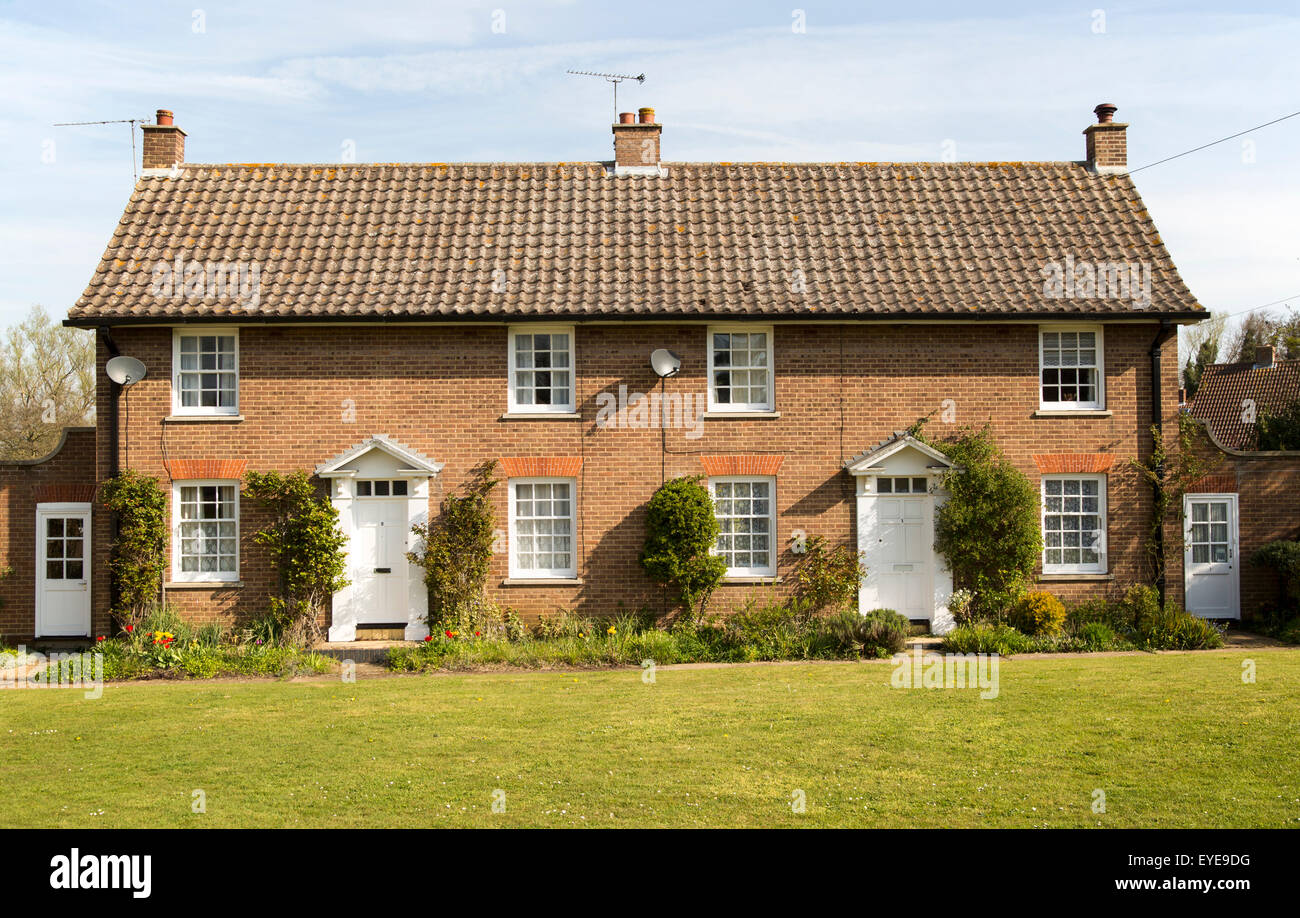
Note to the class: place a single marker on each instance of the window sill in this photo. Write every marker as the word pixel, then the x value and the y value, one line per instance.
pixel 541 581
pixel 752 581
pixel 1073 413
pixel 204 585
pixel 1074 578
pixel 540 416
pixel 193 418
pixel 741 414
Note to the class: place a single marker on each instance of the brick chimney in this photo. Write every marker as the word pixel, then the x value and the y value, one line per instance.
pixel 1107 147
pixel 636 143
pixel 164 143
pixel 1264 355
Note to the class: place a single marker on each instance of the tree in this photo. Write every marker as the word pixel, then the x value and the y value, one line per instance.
pixel 47 383
pixel 681 530
pixel 1260 329
pixel 1279 429
pixel 1200 345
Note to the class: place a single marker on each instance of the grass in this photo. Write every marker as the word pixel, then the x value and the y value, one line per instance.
pixel 1172 739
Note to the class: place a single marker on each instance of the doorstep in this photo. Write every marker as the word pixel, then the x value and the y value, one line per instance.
pixel 360 651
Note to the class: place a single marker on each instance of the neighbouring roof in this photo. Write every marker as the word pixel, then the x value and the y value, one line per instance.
pixel 538 240
pixel 1221 398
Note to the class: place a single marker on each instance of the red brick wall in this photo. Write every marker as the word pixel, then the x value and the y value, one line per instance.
pixel 68 474
pixel 441 390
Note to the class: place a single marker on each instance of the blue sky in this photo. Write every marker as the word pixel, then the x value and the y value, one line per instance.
pixel 441 81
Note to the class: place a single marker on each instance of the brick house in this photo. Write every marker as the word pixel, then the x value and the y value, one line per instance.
pixel 393 326
pixel 1249 497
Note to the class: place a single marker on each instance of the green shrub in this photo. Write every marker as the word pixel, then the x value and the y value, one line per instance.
pixel 1173 629
pixel 1290 632
pixel 1096 635
pixel 1039 613
pixel 827 578
pixel 139 551
pixel 988 528
pixel 455 551
pixel 878 633
pixel 961 605
pixel 1284 558
pixel 986 638
pixel 305 545
pixel 681 530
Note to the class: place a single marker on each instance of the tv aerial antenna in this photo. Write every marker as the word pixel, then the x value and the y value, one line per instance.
pixel 130 121
pixel 614 78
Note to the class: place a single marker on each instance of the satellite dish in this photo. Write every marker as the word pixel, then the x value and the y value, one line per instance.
pixel 665 363
pixel 125 371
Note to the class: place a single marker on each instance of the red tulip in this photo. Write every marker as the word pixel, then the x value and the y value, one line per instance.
pixel 448 633
pixel 130 628
pixel 100 638
pixel 428 637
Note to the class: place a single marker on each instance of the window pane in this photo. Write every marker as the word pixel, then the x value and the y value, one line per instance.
pixel 1072 523
pixel 745 519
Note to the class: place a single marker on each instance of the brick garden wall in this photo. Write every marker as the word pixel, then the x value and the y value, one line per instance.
pixel 1267 486
pixel 441 390
pixel 66 475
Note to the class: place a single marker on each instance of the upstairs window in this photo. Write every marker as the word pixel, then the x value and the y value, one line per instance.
pixel 740 368
pixel 541 370
pixel 1070 366
pixel 206 372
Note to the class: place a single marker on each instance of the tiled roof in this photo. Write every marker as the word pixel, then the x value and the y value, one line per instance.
pixel 1226 386
pixel 470 240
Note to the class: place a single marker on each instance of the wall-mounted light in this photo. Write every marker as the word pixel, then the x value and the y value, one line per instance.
pixel 665 363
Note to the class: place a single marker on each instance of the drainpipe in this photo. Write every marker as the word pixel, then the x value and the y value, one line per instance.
pixel 106 338
pixel 1167 329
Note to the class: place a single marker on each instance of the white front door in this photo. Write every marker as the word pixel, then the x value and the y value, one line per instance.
pixel 63 570
pixel 896 538
pixel 1211 568
pixel 379 562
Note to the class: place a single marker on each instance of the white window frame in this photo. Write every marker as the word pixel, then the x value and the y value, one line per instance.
pixel 197 332
pixel 1099 404
pixel 714 404
pixel 180 576
pixel 770 569
pixel 515 330
pixel 1103 511
pixel 568 573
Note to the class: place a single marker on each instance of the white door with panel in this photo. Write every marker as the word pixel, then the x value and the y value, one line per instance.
pixel 379 565
pixel 63 570
pixel 1211 566
pixel 897 537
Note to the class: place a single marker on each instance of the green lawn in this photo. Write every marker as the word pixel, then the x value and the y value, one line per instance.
pixel 1173 740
